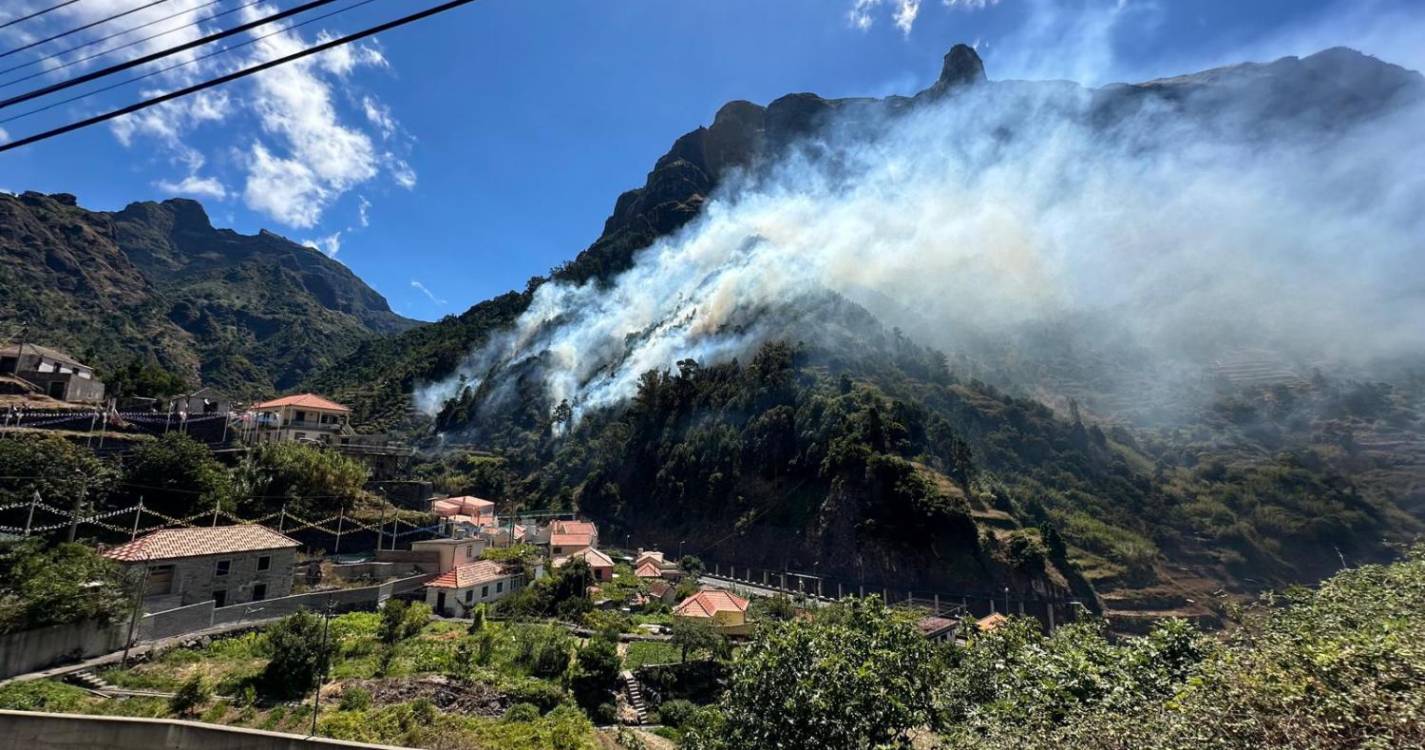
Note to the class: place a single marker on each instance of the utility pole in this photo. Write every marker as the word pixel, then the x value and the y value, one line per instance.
pixel 322 669
pixel 30 519
pixel 137 513
pixel 138 611
pixel 381 527
pixel 282 519
pixel 340 519
pixel 77 508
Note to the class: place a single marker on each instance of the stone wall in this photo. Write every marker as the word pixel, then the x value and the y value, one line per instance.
pixel 21 730
pixel 195 578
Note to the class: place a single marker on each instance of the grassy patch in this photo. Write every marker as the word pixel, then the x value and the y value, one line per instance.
pixel 651 652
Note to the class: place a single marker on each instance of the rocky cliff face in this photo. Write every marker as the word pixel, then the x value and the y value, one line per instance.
pixel 157 282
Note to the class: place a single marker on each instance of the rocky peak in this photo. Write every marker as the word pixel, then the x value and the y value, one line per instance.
pixel 962 67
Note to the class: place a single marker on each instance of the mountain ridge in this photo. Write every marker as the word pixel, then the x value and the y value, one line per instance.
pixel 156 283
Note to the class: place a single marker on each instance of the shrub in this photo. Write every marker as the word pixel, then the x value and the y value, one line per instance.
pixel 191 695
pixel 676 712
pixel 522 712
pixel 300 653
pixel 355 698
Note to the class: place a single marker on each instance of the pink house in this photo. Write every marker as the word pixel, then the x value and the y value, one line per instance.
pixel 473 509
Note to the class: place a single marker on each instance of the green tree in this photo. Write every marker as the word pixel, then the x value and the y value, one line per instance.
pixel 309 478
pixel 53 467
pixel 300 653
pixel 692 636
pixel 177 475
pixel 66 583
pixel 864 679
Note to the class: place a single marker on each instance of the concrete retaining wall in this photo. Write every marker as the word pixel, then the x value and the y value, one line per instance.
pixel 32 650
pixel 20 730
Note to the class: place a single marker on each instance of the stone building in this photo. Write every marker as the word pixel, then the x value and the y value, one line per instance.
pixel 57 374
pixel 227 564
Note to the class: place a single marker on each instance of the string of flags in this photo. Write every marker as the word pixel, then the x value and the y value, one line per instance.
pixel 287 522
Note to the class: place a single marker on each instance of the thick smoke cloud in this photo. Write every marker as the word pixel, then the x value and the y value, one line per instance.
pixel 1179 232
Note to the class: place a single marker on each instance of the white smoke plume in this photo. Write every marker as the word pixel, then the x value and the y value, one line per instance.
pixel 1012 207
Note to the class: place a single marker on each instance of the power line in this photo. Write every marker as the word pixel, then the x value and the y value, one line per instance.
pixel 37 14
pixel 112 50
pixel 245 72
pixel 85 27
pixel 134 63
pixel 183 64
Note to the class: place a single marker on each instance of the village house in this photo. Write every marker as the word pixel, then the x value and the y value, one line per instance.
pixel 600 564
pixel 662 591
pixel 53 372
pixel 451 552
pixel 937 628
pixel 226 564
pixel 309 418
pixel 466 509
pixel 723 610
pixel 569 537
pixel 648 569
pixel 459 590
pixel 204 401
pixel 303 418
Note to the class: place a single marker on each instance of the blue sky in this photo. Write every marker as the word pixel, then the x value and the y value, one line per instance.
pixel 450 161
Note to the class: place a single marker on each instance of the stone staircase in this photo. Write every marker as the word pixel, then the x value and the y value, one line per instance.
pixel 634 690
pixel 86 678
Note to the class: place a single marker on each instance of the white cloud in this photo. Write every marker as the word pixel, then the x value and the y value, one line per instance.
pixel 363 211
pixel 379 115
pixel 970 4
pixel 404 175
pixel 202 187
pixel 308 151
pixel 329 245
pixel 418 286
pixel 903 13
pixel 4 135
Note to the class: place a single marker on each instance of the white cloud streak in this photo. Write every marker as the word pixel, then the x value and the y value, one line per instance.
pixel 418 286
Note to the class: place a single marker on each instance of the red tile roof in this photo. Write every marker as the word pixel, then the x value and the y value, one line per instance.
pixel 307 400
pixel 709 603
pixel 471 574
pixel 168 544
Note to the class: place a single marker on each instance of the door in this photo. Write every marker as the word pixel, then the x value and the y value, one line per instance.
pixel 56 389
pixel 440 603
pixel 259 592
pixel 220 598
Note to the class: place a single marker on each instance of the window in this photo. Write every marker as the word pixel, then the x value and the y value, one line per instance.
pixel 299 416
pixel 470 596
pixel 223 567
pixel 259 592
pixel 484 591
pixel 264 562
pixel 499 587
pixel 220 598
pixel 469 551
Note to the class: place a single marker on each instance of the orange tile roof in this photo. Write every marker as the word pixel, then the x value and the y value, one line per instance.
pixel 168 544
pixel 593 557
pixel 991 622
pixel 709 603
pixel 307 400
pixel 659 588
pixel 573 527
pixel 649 570
pixel 471 574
